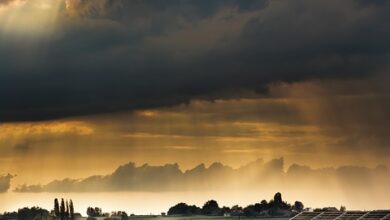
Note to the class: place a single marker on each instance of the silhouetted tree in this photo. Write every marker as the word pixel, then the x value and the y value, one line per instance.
pixel 211 207
pixel 32 213
pixel 90 212
pixel 121 214
pixel 94 212
pixel 62 209
pixel 71 210
pixel 56 208
pixel 67 212
pixel 298 206
pixel 343 208
pixel 250 211
pixel 184 209
pixel 262 206
pixel 9 216
pixel 225 210
pixel 236 210
pixel 278 202
pixel 98 211
pixel 275 208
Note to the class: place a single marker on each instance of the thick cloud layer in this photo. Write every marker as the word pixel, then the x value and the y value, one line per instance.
pixel 5 182
pixel 169 177
pixel 255 175
pixel 114 55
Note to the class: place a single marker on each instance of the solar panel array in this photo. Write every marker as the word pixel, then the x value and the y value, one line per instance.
pixel 349 215
pixel 328 215
pixel 377 215
pixel 306 215
pixel 352 215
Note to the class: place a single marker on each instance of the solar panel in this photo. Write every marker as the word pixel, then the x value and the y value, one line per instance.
pixel 306 215
pixel 352 215
pixel 329 215
pixel 349 215
pixel 376 215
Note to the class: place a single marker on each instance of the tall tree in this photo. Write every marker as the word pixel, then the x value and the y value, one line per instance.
pixel 56 208
pixel 71 210
pixel 62 209
pixel 278 200
pixel 67 210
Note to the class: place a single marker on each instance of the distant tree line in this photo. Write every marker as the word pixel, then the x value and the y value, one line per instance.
pixel 97 212
pixel 94 212
pixel 65 210
pixel 275 207
pixel 119 215
pixel 27 214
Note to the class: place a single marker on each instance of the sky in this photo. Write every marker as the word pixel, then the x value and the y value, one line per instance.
pixel 189 99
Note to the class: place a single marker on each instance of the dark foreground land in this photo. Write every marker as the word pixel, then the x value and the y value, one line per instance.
pixel 275 209
pixel 200 217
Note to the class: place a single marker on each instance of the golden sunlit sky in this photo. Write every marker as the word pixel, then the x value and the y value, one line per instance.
pixel 110 96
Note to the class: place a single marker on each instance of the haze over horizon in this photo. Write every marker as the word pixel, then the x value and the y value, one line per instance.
pixel 288 96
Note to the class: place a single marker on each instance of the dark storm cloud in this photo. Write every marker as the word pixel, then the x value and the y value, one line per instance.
pixel 140 9
pixel 109 55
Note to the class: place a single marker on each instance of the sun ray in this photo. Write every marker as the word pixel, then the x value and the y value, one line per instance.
pixel 33 18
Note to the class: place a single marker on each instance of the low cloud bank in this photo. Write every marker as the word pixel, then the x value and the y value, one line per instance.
pixel 254 175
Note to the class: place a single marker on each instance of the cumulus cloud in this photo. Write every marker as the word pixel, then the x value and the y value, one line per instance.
pixel 5 182
pixel 114 55
pixel 254 175
pixel 169 177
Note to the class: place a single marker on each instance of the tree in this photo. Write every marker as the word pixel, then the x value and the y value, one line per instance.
pixel 124 216
pixel 98 211
pixel 262 206
pixel 278 200
pixel 94 212
pixel 225 210
pixel 184 209
pixel 71 210
pixel 298 206
pixel 236 210
pixel 32 213
pixel 250 211
pixel 211 207
pixel 56 208
pixel 343 208
pixel 62 209
pixel 278 203
pixel 90 212
pixel 67 210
